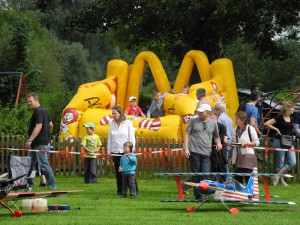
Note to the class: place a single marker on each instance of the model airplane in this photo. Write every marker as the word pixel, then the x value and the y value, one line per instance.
pixel 229 191
pixel 5 195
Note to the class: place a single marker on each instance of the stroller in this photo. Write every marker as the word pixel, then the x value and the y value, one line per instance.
pixel 19 165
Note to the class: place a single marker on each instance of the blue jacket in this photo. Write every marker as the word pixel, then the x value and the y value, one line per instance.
pixel 128 164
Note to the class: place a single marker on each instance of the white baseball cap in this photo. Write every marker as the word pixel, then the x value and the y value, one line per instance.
pixel 204 107
pixel 132 98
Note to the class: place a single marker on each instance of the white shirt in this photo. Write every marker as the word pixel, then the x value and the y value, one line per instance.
pixel 117 136
pixel 245 138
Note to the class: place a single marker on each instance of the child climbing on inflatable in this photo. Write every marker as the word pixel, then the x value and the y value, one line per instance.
pixel 156 108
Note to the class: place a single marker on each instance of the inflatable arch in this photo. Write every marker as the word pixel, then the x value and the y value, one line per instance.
pixel 93 101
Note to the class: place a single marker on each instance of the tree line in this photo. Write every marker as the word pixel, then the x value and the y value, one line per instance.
pixel 61 44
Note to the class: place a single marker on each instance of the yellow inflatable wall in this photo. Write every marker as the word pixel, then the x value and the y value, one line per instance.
pixel 93 101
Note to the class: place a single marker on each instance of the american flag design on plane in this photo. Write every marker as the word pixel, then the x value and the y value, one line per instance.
pixel 250 193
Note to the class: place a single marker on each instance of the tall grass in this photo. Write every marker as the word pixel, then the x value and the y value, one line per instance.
pixel 100 205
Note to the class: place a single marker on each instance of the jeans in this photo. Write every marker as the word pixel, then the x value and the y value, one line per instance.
pixel 129 181
pixel 229 148
pixel 282 156
pixel 48 157
pixel 90 173
pixel 43 163
pixel 199 163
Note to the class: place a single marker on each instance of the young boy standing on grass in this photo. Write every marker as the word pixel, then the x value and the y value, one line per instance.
pixel 127 167
pixel 91 143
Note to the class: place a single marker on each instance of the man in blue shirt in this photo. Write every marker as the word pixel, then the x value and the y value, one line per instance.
pixel 252 111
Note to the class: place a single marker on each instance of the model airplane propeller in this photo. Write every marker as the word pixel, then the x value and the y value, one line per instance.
pixel 204 186
pixel 5 195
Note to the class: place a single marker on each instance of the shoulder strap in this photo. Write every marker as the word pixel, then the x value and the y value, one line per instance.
pixel 238 150
pixel 249 134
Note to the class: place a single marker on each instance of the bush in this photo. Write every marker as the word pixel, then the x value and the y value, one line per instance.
pixel 14 121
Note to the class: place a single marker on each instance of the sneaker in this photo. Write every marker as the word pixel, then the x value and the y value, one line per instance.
pixel 275 180
pixel 284 183
pixel 42 185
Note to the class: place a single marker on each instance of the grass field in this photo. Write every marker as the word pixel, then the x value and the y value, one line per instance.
pixel 100 205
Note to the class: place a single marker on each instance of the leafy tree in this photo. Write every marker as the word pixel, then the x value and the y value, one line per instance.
pixel 178 26
pixel 14 30
pixel 270 74
pixel 77 69
pixel 46 68
pixel 248 68
pixel 283 74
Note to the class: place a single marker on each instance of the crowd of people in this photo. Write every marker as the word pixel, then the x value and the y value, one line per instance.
pixel 211 142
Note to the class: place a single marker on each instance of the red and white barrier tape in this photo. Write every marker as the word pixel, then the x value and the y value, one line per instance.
pixel 268 148
pixel 276 149
pixel 28 150
pixel 97 154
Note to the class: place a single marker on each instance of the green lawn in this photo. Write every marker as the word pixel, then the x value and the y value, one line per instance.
pixel 99 205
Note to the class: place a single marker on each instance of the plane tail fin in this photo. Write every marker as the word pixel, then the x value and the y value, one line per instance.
pixel 252 185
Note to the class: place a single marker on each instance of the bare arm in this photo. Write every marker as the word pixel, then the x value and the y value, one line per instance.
pixel 50 126
pixel 253 124
pixel 297 129
pixel 186 144
pixel 218 143
pixel 270 124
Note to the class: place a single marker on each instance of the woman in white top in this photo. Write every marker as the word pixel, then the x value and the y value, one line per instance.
pixel 121 130
pixel 247 139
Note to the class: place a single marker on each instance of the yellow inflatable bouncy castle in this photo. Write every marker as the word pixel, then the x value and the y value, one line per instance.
pixel 93 101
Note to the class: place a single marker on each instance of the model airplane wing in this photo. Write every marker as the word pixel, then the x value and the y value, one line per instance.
pixel 231 174
pixel 260 202
pixel 42 194
pixel 229 201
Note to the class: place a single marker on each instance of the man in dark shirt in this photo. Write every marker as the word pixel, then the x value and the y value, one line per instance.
pixel 39 137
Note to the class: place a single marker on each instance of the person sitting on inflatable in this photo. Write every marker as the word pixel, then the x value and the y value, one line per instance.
pixel 133 109
pixel 184 92
pixel 156 108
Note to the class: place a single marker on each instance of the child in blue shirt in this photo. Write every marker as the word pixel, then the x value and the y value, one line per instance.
pixel 128 164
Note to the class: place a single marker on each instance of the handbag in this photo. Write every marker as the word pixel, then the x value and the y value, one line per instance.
pixel 259 159
pixel 286 141
pixel 246 161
